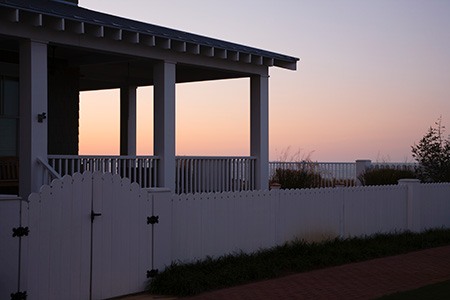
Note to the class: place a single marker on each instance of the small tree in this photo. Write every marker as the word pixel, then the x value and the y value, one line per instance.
pixel 433 155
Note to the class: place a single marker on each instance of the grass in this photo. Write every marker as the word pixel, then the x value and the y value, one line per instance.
pixel 435 291
pixel 298 256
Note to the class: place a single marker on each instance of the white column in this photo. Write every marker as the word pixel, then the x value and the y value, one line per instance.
pixel 128 120
pixel 33 101
pixel 164 122
pixel 259 128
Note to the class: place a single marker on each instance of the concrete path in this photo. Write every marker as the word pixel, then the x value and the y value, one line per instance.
pixel 364 280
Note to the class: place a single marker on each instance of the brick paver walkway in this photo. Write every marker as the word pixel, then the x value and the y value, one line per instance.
pixel 364 280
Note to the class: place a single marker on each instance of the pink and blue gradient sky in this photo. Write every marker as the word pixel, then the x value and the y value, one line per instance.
pixel 373 76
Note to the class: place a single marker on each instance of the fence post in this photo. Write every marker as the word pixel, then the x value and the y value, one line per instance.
pixel 412 204
pixel 361 166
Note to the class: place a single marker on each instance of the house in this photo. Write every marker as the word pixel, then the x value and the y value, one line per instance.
pixel 52 50
pixel 57 237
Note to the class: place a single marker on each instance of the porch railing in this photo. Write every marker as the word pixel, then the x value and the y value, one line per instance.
pixel 48 172
pixel 214 174
pixel 140 169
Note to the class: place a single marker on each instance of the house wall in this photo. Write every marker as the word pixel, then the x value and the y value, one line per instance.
pixel 63 108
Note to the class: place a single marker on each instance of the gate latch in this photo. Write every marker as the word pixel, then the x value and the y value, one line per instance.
pixel 94 214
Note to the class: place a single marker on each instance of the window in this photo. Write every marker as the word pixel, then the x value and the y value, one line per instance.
pixel 9 116
pixel 9 127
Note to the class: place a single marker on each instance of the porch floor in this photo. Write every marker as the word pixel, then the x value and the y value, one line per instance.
pixel 365 280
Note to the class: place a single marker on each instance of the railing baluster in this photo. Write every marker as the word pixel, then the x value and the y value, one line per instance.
pixel 192 175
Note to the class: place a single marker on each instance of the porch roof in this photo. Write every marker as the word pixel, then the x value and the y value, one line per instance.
pixel 118 28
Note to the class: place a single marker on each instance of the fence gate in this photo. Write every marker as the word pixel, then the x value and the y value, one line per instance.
pixel 88 239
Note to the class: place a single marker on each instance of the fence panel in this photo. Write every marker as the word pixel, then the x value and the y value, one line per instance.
pixel 375 209
pixel 309 214
pixel 221 223
pixel 253 221
pixel 57 240
pixel 187 227
pixel 435 205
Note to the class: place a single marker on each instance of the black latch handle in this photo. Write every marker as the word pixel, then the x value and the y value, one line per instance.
pixel 94 214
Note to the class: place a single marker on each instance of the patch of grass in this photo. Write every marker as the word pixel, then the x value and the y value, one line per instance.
pixel 298 256
pixel 435 291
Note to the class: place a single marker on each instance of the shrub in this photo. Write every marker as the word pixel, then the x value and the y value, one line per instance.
pixel 433 155
pixel 296 179
pixel 385 176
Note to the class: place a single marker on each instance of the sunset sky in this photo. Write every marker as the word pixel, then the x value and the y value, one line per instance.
pixel 373 76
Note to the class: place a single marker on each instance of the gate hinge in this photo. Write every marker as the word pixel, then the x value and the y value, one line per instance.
pixel 19 296
pixel 20 231
pixel 153 220
pixel 152 273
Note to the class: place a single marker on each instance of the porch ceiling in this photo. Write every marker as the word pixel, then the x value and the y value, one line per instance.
pixel 101 70
pixel 104 71
pixel 140 73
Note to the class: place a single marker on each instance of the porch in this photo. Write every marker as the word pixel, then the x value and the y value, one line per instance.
pixel 54 50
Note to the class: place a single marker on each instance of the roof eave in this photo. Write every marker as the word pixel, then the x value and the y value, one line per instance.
pixel 118 33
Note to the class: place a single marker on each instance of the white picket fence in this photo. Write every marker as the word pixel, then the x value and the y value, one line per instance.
pixel 69 255
pixel 227 222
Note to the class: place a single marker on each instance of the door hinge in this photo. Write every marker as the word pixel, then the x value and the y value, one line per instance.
pixel 152 273
pixel 19 296
pixel 153 220
pixel 20 231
